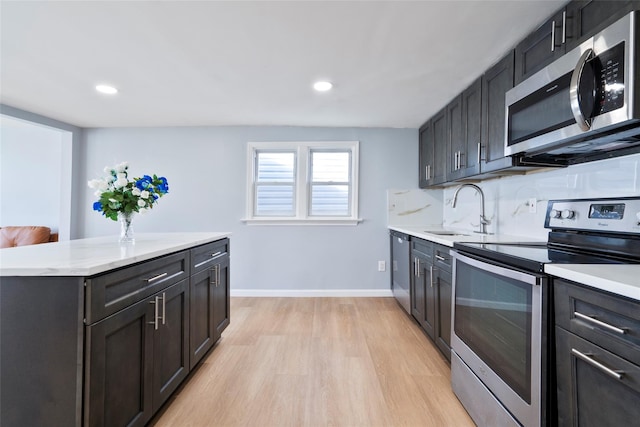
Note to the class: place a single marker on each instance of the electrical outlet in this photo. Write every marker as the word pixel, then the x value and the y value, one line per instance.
pixel 382 266
pixel 533 204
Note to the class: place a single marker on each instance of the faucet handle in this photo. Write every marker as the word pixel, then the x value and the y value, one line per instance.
pixel 484 220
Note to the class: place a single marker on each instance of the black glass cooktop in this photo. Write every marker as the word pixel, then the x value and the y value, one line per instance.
pixel 531 256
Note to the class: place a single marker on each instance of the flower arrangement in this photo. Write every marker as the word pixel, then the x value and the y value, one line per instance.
pixel 118 194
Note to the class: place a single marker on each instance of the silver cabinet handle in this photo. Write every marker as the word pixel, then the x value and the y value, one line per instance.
pixel 599 323
pixel 460 154
pixel 164 308
pixel 217 275
pixel 431 274
pixel 155 317
pixel 154 278
pixel 440 258
pixel 209 260
pixel 564 27
pixel 591 361
pixel 553 36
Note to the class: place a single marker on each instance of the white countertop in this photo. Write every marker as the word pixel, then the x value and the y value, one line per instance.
pixel 620 279
pixel 431 233
pixel 86 257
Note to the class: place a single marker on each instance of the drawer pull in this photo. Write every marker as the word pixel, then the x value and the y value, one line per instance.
pixel 599 323
pixel 440 258
pixel 155 315
pixel 209 260
pixel 587 358
pixel 154 278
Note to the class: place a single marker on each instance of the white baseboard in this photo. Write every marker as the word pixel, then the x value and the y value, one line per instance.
pixel 311 293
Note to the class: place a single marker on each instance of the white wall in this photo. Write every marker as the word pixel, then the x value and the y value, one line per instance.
pixel 205 168
pixel 34 186
pixel 507 197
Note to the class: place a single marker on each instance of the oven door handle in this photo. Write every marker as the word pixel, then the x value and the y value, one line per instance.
pixel 531 279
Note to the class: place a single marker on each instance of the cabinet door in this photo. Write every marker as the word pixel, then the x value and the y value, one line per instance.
pixel 541 47
pixel 221 297
pixel 418 281
pixel 443 291
pixel 440 146
pixel 466 133
pixel 591 16
pixel 118 368
pixel 587 394
pixel 430 305
pixel 425 154
pixel 495 84
pixel 201 330
pixel 455 146
pixel 170 341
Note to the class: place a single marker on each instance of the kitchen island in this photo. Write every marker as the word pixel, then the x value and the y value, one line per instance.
pixel 97 333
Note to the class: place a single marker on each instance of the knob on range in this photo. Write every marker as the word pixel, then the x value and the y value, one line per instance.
pixel 564 214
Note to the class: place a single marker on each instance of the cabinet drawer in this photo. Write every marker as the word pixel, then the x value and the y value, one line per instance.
pixel 114 291
pixel 442 258
pixel 610 321
pixel 203 257
pixel 424 247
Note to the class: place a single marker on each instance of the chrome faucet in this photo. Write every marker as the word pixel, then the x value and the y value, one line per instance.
pixel 483 219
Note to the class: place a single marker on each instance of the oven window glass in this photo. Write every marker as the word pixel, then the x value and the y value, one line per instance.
pixel 541 112
pixel 493 318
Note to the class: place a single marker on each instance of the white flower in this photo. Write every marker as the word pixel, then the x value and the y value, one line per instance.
pixel 141 203
pixel 121 167
pixel 121 175
pixel 135 191
pixel 142 210
pixel 94 183
pixel 120 182
pixel 113 200
pixel 98 193
pixel 98 184
pixel 144 194
pixel 107 169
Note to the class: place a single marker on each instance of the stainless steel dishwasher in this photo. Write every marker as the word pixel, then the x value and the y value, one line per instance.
pixel 400 268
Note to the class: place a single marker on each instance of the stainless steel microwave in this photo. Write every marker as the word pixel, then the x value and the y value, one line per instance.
pixel 583 106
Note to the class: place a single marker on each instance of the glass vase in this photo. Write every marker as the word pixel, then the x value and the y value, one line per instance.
pixel 126 227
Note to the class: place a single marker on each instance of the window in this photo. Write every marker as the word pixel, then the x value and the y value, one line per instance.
pixel 302 182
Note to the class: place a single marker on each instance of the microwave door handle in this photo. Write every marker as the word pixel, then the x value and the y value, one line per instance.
pixel 574 91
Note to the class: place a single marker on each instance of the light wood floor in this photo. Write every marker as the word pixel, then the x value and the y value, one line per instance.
pixel 318 362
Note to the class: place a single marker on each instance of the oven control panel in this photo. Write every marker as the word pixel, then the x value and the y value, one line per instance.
pixel 609 215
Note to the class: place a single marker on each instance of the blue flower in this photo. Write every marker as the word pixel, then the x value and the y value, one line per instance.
pixel 163 186
pixel 97 206
pixel 144 182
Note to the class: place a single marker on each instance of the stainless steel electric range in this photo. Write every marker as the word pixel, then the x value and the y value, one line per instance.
pixel 502 339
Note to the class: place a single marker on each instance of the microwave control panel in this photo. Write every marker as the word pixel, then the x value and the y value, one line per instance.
pixel 609 73
pixel 609 215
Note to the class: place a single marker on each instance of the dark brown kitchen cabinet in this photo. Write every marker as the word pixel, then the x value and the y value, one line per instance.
pixel 137 358
pixel 586 18
pixel 543 46
pixel 431 290
pixel 597 356
pixel 465 123
pixel 209 297
pixel 433 150
pixel 565 30
pixel 425 155
pixel 422 308
pixel 442 294
pixel 495 84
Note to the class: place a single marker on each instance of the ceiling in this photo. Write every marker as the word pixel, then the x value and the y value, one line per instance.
pixel 202 63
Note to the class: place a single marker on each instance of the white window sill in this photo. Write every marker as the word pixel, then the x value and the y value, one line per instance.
pixel 302 221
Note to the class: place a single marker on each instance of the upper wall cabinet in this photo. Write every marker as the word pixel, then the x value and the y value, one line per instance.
pixel 565 30
pixel 433 148
pixel 465 118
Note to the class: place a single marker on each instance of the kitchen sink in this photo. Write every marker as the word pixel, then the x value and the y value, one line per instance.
pixel 445 233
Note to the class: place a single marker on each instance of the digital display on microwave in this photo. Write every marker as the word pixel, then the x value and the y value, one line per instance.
pixel 607 211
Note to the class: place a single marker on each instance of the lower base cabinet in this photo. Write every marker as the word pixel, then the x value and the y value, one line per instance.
pixel 431 290
pixel 137 358
pixel 597 357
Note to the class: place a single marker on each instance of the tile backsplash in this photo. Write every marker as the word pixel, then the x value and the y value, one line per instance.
pixel 508 199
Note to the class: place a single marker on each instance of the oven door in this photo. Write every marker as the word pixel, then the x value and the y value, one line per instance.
pixel 498 334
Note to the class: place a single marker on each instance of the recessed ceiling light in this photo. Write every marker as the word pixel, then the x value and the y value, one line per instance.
pixel 109 90
pixel 322 86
